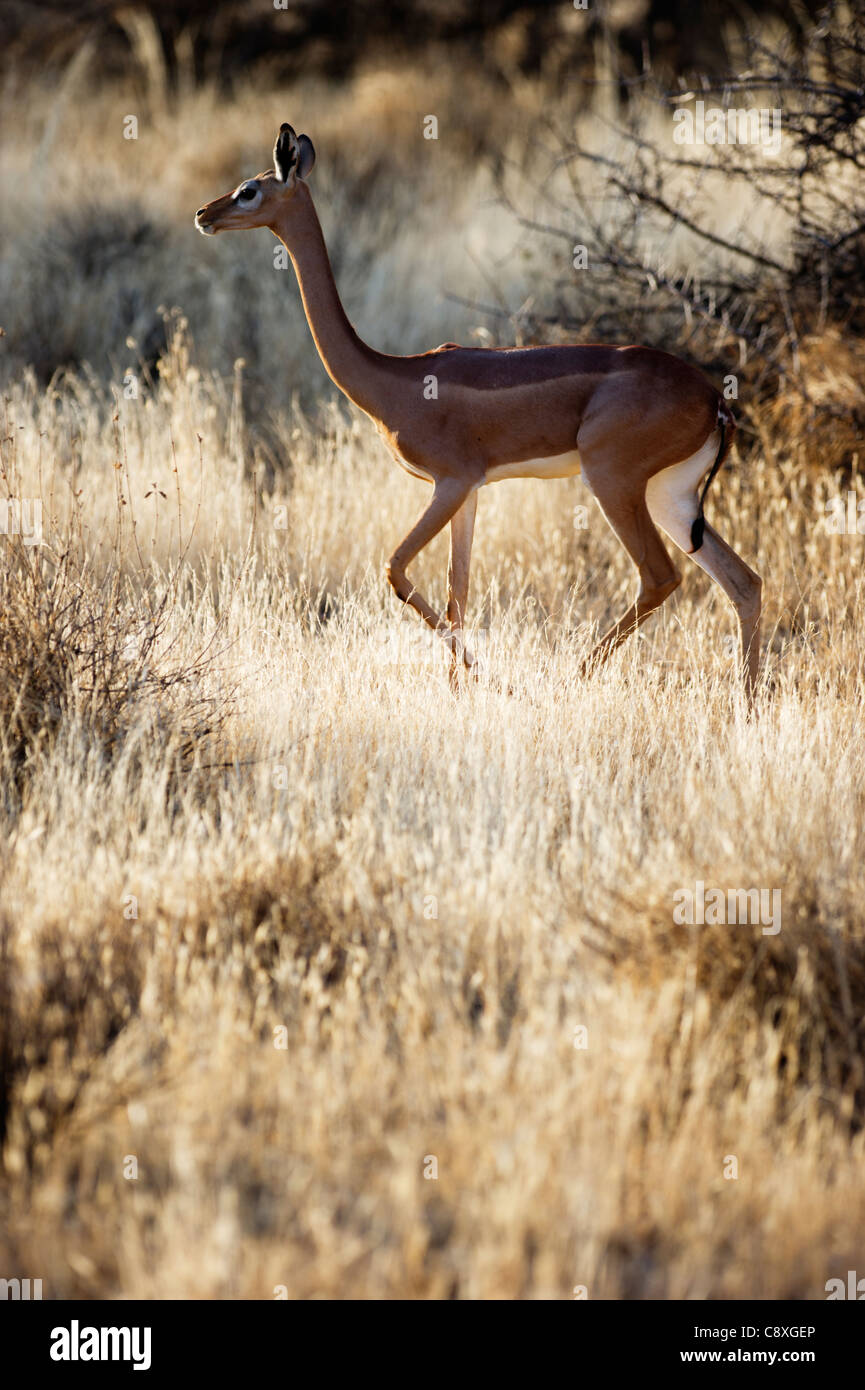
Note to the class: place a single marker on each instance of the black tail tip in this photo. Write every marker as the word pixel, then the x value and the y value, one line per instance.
pixel 698 526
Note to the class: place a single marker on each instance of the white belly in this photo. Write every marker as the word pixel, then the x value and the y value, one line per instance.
pixel 556 466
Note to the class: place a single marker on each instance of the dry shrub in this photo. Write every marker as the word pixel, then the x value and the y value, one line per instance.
pixel 791 1002
pixel 52 1026
pixel 95 653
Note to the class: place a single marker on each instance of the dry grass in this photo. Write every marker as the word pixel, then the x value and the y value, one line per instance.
pixel 429 894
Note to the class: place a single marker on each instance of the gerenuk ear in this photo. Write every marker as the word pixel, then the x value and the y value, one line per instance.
pixel 293 157
pixel 307 157
pixel 286 153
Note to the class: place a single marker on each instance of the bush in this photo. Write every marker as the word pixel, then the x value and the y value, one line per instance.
pixel 94 653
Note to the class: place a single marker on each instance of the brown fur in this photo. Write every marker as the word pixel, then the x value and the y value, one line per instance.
pixel 629 411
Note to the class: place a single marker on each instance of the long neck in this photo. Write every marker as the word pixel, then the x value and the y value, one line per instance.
pixel 347 359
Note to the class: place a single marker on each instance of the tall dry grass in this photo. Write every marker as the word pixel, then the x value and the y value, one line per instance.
pixel 303 1009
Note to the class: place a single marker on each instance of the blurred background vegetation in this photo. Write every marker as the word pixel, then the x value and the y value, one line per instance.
pixel 554 129
pixel 535 38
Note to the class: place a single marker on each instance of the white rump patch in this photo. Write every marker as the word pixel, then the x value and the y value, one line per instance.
pixel 672 495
